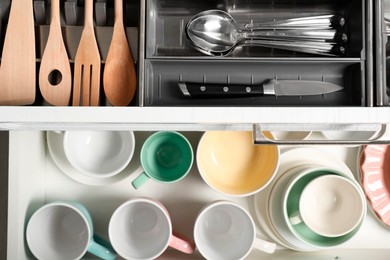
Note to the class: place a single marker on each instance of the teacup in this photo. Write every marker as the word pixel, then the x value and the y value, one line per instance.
pixel 63 230
pixel 224 230
pixel 330 205
pixel 291 205
pixel 166 157
pixel 232 164
pixel 99 154
pixel 141 229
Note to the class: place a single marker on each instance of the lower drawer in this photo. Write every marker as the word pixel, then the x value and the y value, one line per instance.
pixel 35 179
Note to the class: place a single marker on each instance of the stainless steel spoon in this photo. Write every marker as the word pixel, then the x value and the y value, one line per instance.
pixel 215 32
pixel 213 17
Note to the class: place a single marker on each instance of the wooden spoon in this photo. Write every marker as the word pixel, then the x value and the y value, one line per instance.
pixel 55 76
pixel 18 66
pixel 119 77
pixel 86 83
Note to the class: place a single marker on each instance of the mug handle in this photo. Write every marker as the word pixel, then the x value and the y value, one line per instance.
pixel 140 180
pixel 182 243
pixel 265 246
pixel 296 218
pixel 101 251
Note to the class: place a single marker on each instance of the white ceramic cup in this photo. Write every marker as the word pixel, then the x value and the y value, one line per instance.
pixel 63 230
pixel 141 229
pixel 330 205
pixel 99 154
pixel 224 230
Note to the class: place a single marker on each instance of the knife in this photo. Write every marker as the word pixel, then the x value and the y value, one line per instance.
pixel 271 87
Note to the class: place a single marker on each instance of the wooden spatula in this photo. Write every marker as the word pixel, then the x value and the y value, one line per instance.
pixel 55 76
pixel 86 83
pixel 18 65
pixel 119 78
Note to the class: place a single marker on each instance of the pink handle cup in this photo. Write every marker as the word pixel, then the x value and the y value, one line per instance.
pixel 148 230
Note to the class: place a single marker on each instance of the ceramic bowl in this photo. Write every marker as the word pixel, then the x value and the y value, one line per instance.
pixel 233 165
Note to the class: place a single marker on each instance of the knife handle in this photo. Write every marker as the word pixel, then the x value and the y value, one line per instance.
pixel 213 90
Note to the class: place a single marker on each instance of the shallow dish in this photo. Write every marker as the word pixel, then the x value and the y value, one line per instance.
pixel 56 150
pixel 375 179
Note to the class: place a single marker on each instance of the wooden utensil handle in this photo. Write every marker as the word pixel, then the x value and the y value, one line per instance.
pixel 55 12
pixel 88 13
pixel 119 11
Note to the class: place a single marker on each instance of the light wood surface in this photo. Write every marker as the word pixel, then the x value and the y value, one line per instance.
pixel 119 73
pixel 18 66
pixel 55 76
pixel 86 83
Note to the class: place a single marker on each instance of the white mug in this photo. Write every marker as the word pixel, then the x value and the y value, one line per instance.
pixel 141 229
pixel 225 230
pixel 63 230
pixel 99 154
pixel 330 205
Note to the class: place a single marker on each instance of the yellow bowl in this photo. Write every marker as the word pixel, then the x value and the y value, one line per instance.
pixel 232 164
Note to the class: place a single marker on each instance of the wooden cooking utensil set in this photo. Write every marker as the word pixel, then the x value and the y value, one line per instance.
pixel 18 67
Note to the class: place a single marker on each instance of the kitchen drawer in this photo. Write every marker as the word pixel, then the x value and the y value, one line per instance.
pixel 34 179
pixel 162 61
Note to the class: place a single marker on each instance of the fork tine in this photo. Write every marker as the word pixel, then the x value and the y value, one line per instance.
pixel 95 84
pixel 77 82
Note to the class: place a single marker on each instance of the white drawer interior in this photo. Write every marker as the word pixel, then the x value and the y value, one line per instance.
pixel 34 179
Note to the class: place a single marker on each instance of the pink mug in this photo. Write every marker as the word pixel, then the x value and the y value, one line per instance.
pixel 141 229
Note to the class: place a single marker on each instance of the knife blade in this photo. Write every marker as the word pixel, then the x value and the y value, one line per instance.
pixel 271 87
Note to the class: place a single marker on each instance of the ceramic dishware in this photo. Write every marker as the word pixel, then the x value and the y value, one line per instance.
pixel 330 205
pixel 275 211
pixel 233 165
pixel 63 230
pixel 350 135
pixel 274 226
pixel 291 135
pixel 374 176
pixel 290 205
pixel 141 229
pixel 166 157
pixel 99 154
pixel 225 230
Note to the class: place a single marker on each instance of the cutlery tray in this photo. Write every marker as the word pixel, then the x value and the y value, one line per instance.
pixel 170 58
pixel 72 20
pixel 35 179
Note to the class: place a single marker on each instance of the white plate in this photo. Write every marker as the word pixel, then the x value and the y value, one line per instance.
pixel 56 149
pixel 288 160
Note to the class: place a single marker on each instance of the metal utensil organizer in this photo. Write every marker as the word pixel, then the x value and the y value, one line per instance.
pixel 169 57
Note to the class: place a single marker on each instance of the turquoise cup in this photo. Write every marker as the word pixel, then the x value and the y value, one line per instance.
pixel 64 230
pixel 166 157
pixel 291 206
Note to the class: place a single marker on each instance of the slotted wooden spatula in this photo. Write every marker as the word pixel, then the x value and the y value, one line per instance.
pixel 18 65
pixel 86 82
pixel 55 76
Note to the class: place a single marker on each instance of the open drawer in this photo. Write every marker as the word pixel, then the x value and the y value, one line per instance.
pixel 35 179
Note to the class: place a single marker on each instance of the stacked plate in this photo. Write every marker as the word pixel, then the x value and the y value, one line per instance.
pixel 311 174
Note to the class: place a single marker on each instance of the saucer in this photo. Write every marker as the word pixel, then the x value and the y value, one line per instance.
pixel 289 160
pixel 373 166
pixel 56 150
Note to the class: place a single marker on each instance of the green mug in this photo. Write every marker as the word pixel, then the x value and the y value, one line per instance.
pixel 166 157
pixel 64 230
